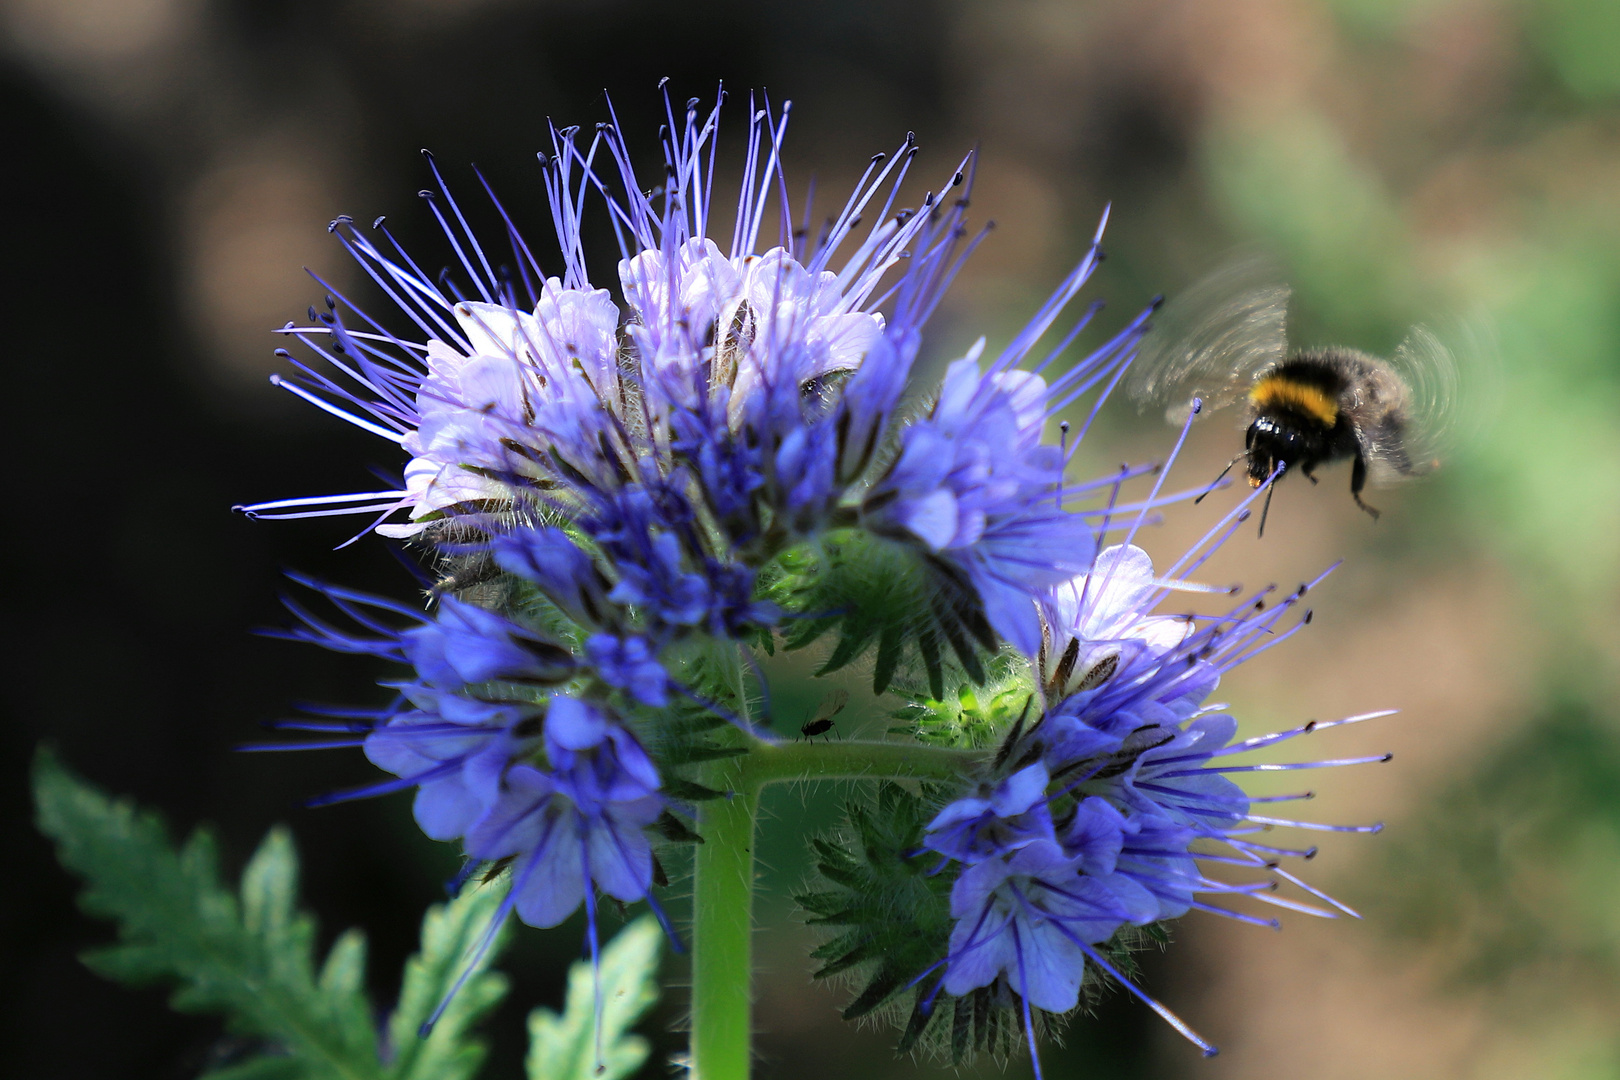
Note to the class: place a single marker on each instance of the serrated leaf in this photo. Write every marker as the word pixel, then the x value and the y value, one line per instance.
pixel 450 936
pixel 566 1047
pixel 250 960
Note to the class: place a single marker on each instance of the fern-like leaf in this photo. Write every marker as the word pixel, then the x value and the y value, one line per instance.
pixel 250 958
pixel 249 955
pixel 450 936
pixel 565 1047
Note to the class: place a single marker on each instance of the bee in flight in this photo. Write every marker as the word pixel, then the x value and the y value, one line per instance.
pixel 1226 340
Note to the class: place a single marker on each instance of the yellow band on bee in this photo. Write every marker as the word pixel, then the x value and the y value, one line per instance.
pixel 1276 391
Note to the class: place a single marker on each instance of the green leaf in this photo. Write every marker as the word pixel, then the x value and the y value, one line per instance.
pixel 250 956
pixel 450 936
pixel 565 1047
pixel 250 959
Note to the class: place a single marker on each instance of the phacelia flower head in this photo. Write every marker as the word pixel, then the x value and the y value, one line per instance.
pixel 1133 773
pixel 632 482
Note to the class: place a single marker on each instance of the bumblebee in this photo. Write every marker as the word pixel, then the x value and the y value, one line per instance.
pixel 1226 340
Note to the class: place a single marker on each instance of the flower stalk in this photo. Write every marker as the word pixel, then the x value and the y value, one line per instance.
pixel 723 891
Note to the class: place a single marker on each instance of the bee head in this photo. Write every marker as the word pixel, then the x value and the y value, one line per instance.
pixel 1270 441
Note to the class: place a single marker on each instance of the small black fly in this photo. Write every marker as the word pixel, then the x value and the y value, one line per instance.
pixel 822 722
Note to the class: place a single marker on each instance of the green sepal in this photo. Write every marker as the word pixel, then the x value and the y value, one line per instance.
pixel 888 596
pixel 673 829
pixel 688 790
pixel 895 917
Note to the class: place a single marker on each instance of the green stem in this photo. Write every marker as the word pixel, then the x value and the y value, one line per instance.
pixel 723 886
pixel 722 948
pixel 772 763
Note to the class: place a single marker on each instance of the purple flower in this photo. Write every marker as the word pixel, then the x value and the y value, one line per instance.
pixel 629 665
pixel 548 556
pixel 467 644
pixel 1098 624
pixel 974 482
pixel 579 825
pixel 1029 916
pixel 454 750
pixel 1009 816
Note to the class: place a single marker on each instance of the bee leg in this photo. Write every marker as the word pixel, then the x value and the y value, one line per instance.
pixel 1358 480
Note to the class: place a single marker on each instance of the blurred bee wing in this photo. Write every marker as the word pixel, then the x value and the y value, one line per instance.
pixel 1442 405
pixel 1212 340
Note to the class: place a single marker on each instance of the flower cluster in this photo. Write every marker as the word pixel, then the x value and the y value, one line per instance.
pixel 1095 823
pixel 620 488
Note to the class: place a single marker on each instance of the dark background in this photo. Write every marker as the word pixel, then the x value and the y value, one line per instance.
pixel 170 164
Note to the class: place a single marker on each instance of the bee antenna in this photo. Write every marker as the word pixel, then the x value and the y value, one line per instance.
pixel 1219 478
pixel 1266 509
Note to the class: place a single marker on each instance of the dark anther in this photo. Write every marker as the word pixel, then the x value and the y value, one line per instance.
pixel 1156 303
pixel 1308 614
pixel 1387 757
pixel 331 302
pixel 928 199
pixel 378 223
pixel 1310 727
pixel 877 159
pixel 544 161
pixel 1302 590
pixel 1310 852
pixel 425 194
pixel 427 153
pixel 604 126
pixel 284 354
pixel 312 315
pixel 957 179
pixel 663 82
pixel 692 104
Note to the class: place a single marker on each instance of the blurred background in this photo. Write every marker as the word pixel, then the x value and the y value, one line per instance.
pixel 171 165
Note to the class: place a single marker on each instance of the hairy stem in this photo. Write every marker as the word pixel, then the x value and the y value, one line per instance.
pixel 771 763
pixel 722 921
pixel 723 889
